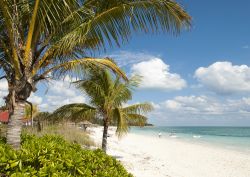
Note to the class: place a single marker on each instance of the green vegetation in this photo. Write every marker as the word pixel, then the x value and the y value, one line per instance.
pixel 51 155
pixel 107 95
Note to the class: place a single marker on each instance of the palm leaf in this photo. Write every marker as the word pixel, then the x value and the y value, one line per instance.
pixel 122 126
pixel 140 108
pixel 74 112
pixel 30 33
pixel 80 65
pixel 136 119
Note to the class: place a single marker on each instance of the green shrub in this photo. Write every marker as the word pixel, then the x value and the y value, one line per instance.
pixel 53 156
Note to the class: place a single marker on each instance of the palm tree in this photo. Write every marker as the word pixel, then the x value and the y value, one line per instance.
pixel 107 97
pixel 42 39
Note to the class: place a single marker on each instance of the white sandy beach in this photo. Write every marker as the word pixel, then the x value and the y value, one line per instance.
pixel 146 156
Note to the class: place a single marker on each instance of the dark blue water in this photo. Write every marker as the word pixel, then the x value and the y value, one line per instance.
pixel 237 138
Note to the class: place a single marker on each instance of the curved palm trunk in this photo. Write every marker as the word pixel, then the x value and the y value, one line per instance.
pixel 105 136
pixel 15 126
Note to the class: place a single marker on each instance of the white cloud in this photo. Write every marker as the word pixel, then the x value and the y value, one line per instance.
pixel 3 90
pixel 202 110
pixel 3 85
pixel 35 99
pixel 62 87
pixel 246 47
pixel 204 105
pixel 194 105
pixel 155 105
pixel 156 75
pixel 224 78
pixel 60 93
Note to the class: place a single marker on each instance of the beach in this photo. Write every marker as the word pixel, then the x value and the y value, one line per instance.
pixel 151 156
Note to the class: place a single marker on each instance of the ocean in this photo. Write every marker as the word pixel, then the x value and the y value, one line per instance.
pixel 236 138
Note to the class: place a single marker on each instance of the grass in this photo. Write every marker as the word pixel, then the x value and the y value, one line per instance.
pixel 70 133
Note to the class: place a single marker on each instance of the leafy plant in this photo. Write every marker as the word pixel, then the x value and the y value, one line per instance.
pixel 53 156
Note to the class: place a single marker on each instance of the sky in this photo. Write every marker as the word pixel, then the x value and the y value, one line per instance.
pixel 198 78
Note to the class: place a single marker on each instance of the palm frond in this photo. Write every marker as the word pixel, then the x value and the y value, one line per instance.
pixel 115 21
pixel 80 65
pixel 8 21
pixel 122 125
pixel 30 33
pixel 136 119
pixel 140 108
pixel 74 112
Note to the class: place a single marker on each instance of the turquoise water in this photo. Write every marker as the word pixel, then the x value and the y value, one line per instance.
pixel 237 138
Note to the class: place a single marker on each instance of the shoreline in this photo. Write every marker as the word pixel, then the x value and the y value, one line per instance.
pixel 230 142
pixel 146 156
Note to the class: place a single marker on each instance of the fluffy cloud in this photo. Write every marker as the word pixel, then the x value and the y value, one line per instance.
pixel 156 75
pixel 60 93
pixel 206 105
pixel 225 78
pixel 194 105
pixel 202 110
pixel 35 99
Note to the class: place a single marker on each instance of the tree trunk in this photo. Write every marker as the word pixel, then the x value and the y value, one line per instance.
pixel 105 136
pixel 15 126
pixel 39 127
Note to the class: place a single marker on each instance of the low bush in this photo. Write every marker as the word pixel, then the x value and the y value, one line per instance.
pixel 51 155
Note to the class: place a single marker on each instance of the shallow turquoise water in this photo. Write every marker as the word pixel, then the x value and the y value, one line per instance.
pixel 237 138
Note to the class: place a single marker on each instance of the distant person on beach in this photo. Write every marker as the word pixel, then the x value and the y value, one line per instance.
pixel 159 134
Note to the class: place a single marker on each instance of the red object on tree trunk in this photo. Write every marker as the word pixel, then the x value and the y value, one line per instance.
pixel 4 116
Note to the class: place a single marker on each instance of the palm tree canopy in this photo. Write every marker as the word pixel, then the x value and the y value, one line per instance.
pixel 42 36
pixel 107 96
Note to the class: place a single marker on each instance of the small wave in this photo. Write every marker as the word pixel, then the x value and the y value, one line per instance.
pixel 173 135
pixel 196 136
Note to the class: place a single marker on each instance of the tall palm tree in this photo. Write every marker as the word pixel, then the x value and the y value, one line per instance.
pixel 41 39
pixel 107 96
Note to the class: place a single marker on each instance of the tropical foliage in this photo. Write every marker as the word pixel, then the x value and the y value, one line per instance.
pixel 42 39
pixel 53 156
pixel 107 96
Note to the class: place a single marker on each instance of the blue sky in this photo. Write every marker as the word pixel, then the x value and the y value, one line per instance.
pixel 182 92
